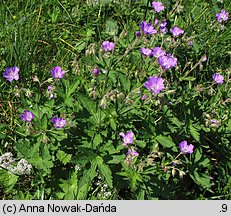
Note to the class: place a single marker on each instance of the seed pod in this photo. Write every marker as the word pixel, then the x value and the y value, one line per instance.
pixel 16 91
pixel 177 162
pixel 173 172
pixel 103 102
pixel 160 154
pixel 181 174
pixel 35 78
pixel 200 67
pixel 165 169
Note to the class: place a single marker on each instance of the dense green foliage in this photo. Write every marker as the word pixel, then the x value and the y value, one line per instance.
pixel 86 158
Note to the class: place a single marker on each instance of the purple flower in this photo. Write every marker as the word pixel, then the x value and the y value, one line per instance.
pixel 214 121
pixel 157 6
pixel 185 148
pixel 50 90
pixel 128 138
pixel 144 97
pixel 218 78
pixel 27 116
pixel 58 122
pixel 157 52
pixel 146 51
pixel 131 155
pixel 138 34
pixel 108 46
pixel 57 72
pixel 172 60
pixel 156 21
pixel 223 16
pixel 190 42
pixel 176 31
pixel 132 152
pixel 204 58
pixel 11 73
pixel 167 62
pixel 52 96
pixel 155 84
pixel 96 71
pixel 163 28
pixel 147 28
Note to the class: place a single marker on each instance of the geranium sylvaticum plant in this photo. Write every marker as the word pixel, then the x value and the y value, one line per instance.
pixel 115 100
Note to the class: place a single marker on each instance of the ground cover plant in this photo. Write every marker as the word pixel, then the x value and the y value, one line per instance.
pixel 107 99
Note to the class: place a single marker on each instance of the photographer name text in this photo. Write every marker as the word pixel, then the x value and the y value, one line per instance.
pixel 51 208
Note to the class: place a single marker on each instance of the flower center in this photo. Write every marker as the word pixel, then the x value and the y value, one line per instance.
pixel 126 140
pixel 154 88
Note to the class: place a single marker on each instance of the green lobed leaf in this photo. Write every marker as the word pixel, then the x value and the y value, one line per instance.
pixel 70 89
pixel 63 157
pixel 201 179
pixel 92 107
pixel 125 82
pixel 105 171
pixel 23 146
pixel 40 158
pixel 86 180
pixel 7 180
pixel 197 155
pixel 117 159
pixel 195 134
pixel 70 187
pixel 97 140
pixel 165 141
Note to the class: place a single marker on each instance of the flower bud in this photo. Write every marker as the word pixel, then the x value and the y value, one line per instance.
pixel 160 154
pixel 90 50
pixel 165 169
pixel 50 80
pixel 200 67
pixel 177 162
pixel 120 95
pixel 204 58
pixel 35 78
pixel 16 91
pixel 28 93
pixel 173 172
pixel 181 174
pixel 129 101
pixel 103 102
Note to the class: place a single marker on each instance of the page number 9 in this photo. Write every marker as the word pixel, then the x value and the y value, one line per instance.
pixel 224 208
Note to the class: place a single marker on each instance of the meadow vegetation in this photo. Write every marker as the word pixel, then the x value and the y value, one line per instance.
pixel 107 99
